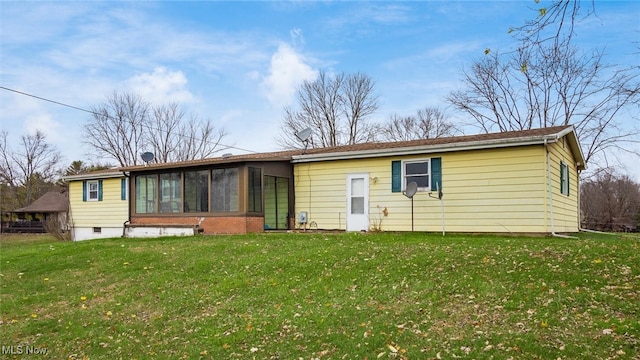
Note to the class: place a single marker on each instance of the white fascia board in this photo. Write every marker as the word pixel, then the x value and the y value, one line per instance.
pixel 565 132
pixel 95 176
pixel 427 149
pixel 575 145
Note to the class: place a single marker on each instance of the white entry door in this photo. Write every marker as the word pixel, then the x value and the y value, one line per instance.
pixel 357 202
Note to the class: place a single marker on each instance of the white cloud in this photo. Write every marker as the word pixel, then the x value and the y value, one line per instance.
pixel 287 70
pixel 43 122
pixel 161 86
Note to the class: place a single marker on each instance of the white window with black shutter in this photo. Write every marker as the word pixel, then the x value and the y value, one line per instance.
pixel 426 173
pixel 92 190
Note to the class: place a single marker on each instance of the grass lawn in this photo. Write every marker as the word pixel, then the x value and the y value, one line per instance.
pixel 322 296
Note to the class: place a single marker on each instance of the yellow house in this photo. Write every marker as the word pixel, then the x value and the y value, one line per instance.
pixel 517 182
pixel 98 204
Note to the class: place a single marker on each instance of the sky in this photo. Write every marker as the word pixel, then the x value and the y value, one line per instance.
pixel 239 63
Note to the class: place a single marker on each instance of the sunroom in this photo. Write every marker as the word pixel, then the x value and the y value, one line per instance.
pixel 227 195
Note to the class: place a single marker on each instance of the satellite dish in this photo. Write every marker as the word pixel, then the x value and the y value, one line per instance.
pixel 147 156
pixel 304 134
pixel 411 189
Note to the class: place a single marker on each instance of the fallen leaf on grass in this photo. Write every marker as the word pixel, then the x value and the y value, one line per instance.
pixel 544 324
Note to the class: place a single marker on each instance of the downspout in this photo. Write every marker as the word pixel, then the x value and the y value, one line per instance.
pixel 553 231
pixel 594 231
pixel 124 224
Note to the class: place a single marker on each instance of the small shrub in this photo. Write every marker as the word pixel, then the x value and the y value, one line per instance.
pixel 52 226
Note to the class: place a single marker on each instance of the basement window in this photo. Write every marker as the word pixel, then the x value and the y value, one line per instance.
pixel 97 230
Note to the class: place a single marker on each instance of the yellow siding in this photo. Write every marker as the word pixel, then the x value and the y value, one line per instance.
pixel 565 208
pixel 110 212
pixel 493 190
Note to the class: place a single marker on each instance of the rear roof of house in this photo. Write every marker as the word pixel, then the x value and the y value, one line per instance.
pixel 97 174
pixel 51 202
pixel 372 149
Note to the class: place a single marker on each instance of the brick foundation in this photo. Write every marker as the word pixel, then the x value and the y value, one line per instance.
pixel 209 224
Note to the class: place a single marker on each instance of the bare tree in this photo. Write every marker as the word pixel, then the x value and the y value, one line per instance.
pixel 548 82
pixel 33 167
pixel 610 202
pixel 336 109
pixel 554 24
pixel 125 126
pixel 178 139
pixel 116 128
pixel 359 101
pixel 165 120
pixel 200 139
pixel 9 198
pixel 428 123
pixel 7 170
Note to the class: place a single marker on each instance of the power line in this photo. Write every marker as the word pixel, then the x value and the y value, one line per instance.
pixel 49 100
pixel 97 114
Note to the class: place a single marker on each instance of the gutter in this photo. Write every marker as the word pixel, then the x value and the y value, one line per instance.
pixel 93 176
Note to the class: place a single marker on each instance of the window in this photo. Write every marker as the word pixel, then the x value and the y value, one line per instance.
pixel 146 189
pixel 427 173
pixel 196 191
pixel 357 195
pixel 418 172
pixel 97 230
pixel 255 190
pixel 170 198
pixel 564 178
pixel 92 190
pixel 224 190
pixel 193 191
pixel 124 189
